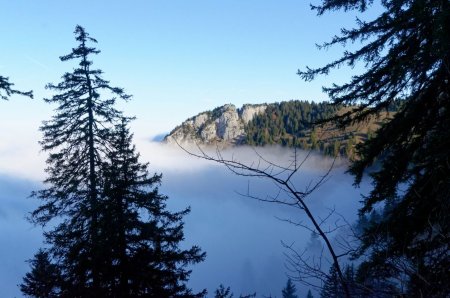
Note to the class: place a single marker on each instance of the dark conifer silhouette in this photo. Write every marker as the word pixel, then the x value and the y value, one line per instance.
pixel 112 236
pixel 6 89
pixel 77 138
pixel 43 279
pixel 142 237
pixel 332 287
pixel 223 292
pixel 406 50
pixel 290 290
pixel 374 283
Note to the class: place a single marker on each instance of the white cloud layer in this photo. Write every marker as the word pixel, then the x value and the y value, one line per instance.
pixel 241 236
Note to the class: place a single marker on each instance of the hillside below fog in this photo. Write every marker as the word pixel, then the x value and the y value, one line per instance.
pixel 288 123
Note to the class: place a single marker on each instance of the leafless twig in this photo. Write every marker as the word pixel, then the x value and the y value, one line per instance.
pixel 282 176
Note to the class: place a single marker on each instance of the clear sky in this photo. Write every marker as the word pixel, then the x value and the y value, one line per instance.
pixel 177 58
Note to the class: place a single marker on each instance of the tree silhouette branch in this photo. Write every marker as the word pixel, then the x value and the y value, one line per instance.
pixel 282 176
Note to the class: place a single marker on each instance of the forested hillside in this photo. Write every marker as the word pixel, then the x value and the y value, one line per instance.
pixel 300 123
pixel 290 123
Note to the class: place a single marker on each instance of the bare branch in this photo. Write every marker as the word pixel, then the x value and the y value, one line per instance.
pixel 282 177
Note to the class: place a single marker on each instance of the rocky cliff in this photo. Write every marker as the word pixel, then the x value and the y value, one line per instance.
pixel 223 125
pixel 288 123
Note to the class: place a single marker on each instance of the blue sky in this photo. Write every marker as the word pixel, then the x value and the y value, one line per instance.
pixel 177 58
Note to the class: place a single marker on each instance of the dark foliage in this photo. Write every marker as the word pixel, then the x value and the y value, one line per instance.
pixel 223 292
pixel 112 236
pixel 332 287
pixel 6 89
pixel 304 125
pixel 142 237
pixel 373 284
pixel 287 123
pixel 406 50
pixel 77 138
pixel 289 290
pixel 42 280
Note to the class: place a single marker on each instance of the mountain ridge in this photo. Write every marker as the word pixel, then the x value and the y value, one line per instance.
pixel 223 125
pixel 286 123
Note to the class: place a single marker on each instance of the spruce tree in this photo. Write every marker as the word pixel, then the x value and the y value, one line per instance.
pixel 289 290
pixel 373 283
pixel 223 292
pixel 77 138
pixel 406 51
pixel 112 235
pixel 143 237
pixel 43 279
pixel 332 287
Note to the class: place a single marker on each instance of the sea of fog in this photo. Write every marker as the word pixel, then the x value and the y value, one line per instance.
pixel 241 236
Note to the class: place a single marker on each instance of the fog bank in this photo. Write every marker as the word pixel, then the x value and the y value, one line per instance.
pixel 241 236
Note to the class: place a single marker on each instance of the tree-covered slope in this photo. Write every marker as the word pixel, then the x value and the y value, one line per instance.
pixel 301 124
pixel 289 123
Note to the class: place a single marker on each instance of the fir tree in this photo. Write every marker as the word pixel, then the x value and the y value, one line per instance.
pixel 374 283
pixel 284 123
pixel 223 292
pixel 77 138
pixel 309 295
pixel 141 235
pixel 289 290
pixel 113 236
pixel 40 282
pixel 332 287
pixel 406 50
pixel 6 89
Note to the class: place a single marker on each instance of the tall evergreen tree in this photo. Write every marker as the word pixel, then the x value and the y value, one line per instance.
pixel 142 237
pixel 77 138
pixel 41 282
pixel 290 290
pixel 374 283
pixel 332 287
pixel 406 49
pixel 6 89
pixel 112 235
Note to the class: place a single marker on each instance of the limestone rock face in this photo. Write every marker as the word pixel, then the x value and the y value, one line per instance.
pixel 200 120
pixel 249 111
pixel 224 125
pixel 208 133
pixel 229 126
